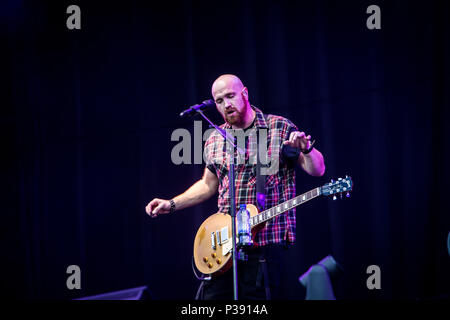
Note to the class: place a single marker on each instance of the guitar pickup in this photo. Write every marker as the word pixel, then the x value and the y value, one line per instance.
pixel 224 235
pixel 219 241
pixel 213 241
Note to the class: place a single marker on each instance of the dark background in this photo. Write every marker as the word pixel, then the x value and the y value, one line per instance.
pixel 87 117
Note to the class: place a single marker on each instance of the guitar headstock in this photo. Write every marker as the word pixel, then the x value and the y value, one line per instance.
pixel 339 186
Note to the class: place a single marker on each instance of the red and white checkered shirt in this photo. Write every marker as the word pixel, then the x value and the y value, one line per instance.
pixel 279 184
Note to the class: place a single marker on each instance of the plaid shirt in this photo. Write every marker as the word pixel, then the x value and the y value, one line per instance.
pixel 279 184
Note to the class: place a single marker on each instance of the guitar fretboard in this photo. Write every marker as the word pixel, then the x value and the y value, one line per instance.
pixel 283 207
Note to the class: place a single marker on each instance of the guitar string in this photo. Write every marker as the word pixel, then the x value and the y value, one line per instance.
pixel 255 220
pixel 283 204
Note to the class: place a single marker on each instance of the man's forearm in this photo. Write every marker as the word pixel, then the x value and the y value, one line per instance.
pixel 312 163
pixel 196 194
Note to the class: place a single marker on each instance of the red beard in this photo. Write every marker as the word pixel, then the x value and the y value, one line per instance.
pixel 234 118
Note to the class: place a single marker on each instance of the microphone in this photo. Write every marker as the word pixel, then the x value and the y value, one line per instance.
pixel 207 104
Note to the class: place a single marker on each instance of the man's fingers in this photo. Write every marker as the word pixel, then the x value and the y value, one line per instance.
pixel 301 135
pixel 297 135
pixel 151 206
pixel 148 208
pixel 292 137
pixel 158 208
pixel 295 138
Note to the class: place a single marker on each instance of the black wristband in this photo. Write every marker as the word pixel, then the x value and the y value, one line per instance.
pixel 310 148
pixel 172 206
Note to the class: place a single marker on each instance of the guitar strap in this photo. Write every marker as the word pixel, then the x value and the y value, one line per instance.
pixel 261 162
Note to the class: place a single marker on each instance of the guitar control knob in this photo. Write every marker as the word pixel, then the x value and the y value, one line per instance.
pixel 214 255
pixel 219 261
pixel 210 265
pixel 348 195
pixel 205 259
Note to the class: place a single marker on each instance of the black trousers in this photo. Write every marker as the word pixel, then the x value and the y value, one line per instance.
pixel 258 277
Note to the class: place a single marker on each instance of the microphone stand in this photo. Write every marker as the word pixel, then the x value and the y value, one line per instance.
pixel 231 140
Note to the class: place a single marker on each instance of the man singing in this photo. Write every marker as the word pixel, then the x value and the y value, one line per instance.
pixel 258 276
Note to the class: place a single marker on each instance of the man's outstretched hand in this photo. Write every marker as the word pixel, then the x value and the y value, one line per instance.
pixel 299 140
pixel 157 206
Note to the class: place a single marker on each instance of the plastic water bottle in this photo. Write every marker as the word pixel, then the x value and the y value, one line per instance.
pixel 243 226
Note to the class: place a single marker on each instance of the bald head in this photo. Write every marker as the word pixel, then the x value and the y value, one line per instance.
pixel 226 81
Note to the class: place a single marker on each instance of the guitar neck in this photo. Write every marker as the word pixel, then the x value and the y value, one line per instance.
pixel 283 207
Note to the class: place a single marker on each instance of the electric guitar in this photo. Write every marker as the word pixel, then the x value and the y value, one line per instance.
pixel 213 244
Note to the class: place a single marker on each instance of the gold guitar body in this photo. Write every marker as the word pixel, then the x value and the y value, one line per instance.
pixel 213 243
